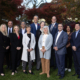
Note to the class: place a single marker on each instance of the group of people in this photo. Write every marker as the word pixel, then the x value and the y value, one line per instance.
pixel 48 46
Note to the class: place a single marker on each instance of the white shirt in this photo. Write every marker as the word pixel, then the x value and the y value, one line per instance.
pixel 59 33
pixel 44 40
pixel 10 30
pixel 23 31
pixel 36 26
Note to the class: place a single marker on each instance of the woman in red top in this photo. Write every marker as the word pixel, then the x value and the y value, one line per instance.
pixel 16 45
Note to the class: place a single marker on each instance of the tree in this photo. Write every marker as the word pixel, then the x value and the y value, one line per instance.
pixel 47 11
pixel 10 9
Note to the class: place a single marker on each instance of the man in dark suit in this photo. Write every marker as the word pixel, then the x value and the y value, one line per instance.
pixel 75 43
pixel 53 30
pixel 23 25
pixel 35 26
pixel 9 30
pixel 59 46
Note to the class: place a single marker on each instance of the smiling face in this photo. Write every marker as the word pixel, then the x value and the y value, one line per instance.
pixel 16 29
pixel 77 27
pixel 10 24
pixel 53 19
pixel 28 29
pixel 46 30
pixel 35 19
pixel 23 24
pixel 42 24
pixel 68 29
pixel 60 27
pixel 3 28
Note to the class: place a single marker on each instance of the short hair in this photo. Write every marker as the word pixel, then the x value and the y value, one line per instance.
pixel 28 26
pixel 77 23
pixel 36 16
pixel 22 21
pixel 61 24
pixel 10 21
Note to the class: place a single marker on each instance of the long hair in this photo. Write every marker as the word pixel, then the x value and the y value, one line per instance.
pixel 5 32
pixel 14 27
pixel 69 27
pixel 44 28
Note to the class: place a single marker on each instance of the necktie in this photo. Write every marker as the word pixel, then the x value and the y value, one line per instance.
pixel 51 27
pixel 9 31
pixel 76 34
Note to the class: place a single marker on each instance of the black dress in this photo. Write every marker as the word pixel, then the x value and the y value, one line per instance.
pixel 4 42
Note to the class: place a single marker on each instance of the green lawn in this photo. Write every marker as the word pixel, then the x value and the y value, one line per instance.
pixel 21 76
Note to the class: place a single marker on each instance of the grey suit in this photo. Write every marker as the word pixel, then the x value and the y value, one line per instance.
pixel 60 54
pixel 48 44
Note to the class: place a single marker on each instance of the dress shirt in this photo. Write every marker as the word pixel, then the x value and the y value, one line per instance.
pixel 9 29
pixel 23 31
pixel 59 33
pixel 76 34
pixel 53 24
pixel 36 26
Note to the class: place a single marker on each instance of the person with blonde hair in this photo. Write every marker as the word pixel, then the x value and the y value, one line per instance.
pixel 16 45
pixel 45 43
pixel 4 46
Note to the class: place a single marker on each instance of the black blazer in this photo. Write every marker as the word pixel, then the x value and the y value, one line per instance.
pixel 4 42
pixel 38 33
pixel 15 42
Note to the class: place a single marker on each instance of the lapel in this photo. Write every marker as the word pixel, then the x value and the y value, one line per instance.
pixel 59 36
pixel 77 34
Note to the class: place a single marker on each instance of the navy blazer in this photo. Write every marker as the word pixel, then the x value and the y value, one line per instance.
pixel 61 43
pixel 21 31
pixel 33 28
pixel 75 41
pixel 54 30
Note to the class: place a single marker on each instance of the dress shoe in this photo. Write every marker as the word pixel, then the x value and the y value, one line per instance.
pixel 61 77
pixel 69 70
pixel 79 77
pixel 2 74
pixel 66 69
pixel 74 74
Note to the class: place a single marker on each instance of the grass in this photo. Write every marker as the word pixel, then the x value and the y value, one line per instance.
pixel 21 76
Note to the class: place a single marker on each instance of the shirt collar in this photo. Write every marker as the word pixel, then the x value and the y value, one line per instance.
pixel 53 23
pixel 60 31
pixel 77 31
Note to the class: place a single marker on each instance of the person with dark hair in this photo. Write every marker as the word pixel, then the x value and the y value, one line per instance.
pixel 23 25
pixel 75 43
pixel 38 33
pixel 59 46
pixel 68 56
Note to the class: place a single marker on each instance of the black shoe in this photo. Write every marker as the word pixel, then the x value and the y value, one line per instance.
pixel 74 74
pixel 37 69
pixel 31 73
pixel 79 77
pixel 25 72
pixel 61 77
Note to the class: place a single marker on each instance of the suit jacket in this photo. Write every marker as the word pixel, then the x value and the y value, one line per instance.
pixel 25 42
pixel 75 41
pixel 15 42
pixel 33 28
pixel 4 42
pixel 48 44
pixel 21 31
pixel 61 43
pixel 54 30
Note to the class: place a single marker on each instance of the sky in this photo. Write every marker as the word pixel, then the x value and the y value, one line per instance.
pixel 30 5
